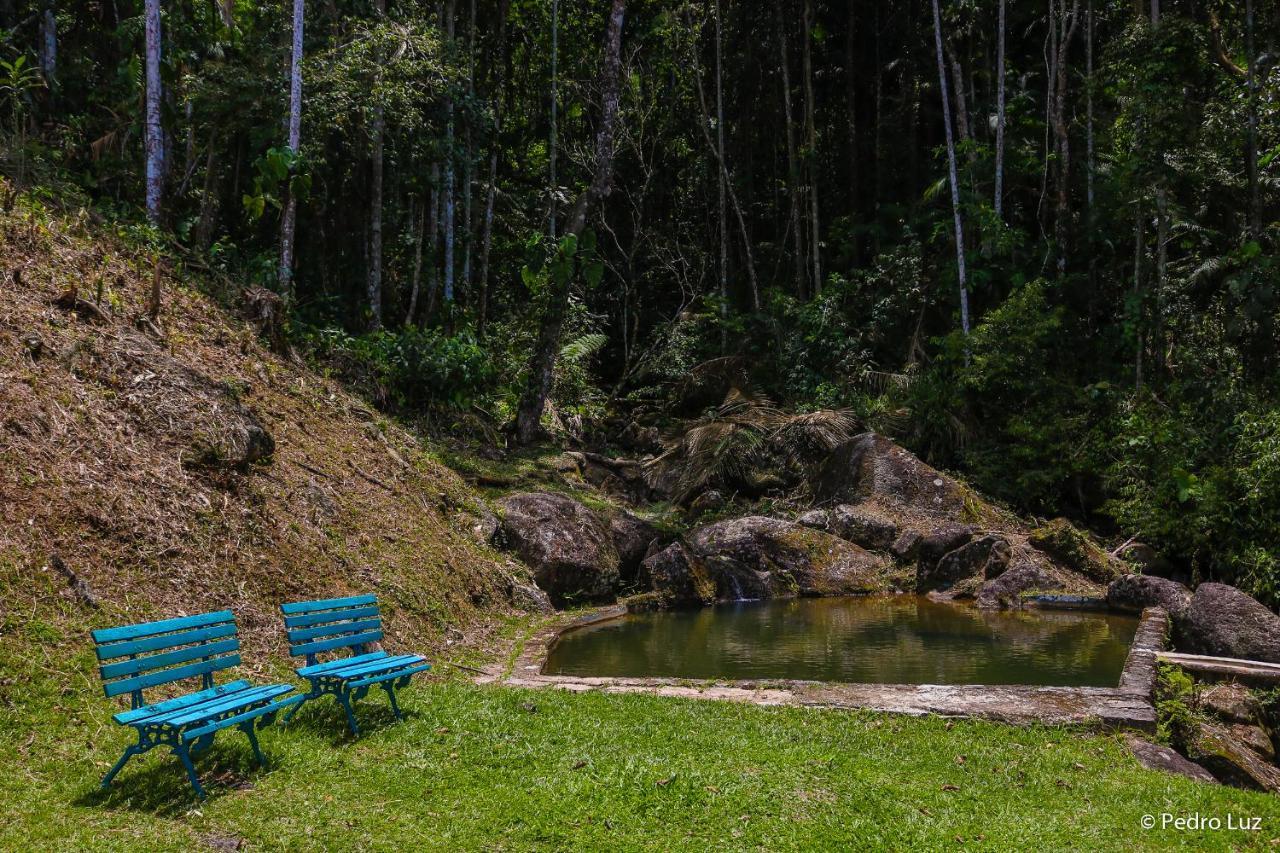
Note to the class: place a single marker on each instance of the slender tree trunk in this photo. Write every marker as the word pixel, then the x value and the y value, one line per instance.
pixel 1067 30
pixel 491 189
pixel 1251 153
pixel 154 131
pixel 793 159
pixel 543 359
pixel 433 231
pixel 1138 238
pixel 450 201
pixel 555 107
pixel 295 143
pixel 811 128
pixel 1000 115
pixel 49 43
pixel 851 113
pixel 951 171
pixel 204 228
pixel 420 236
pixel 468 168
pixel 722 208
pixel 375 205
pixel 1089 162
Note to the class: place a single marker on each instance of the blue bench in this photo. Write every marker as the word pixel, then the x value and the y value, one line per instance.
pixel 135 658
pixel 354 624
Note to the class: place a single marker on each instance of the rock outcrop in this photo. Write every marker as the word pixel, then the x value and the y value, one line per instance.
pixel 1069 546
pixel 985 557
pixel 1135 593
pixel 759 557
pixel 871 467
pixel 570 550
pixel 1221 620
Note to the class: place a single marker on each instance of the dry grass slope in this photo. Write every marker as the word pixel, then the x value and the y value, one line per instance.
pixel 176 466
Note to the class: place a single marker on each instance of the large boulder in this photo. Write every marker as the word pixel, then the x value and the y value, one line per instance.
pixel 1135 593
pixel 1022 576
pixel 634 539
pixel 1232 761
pixel 864 526
pixel 984 557
pixel 570 550
pixel 1221 620
pixel 940 541
pixel 1069 546
pixel 870 466
pixel 759 557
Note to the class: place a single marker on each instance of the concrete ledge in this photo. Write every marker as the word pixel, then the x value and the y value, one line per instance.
pixel 1128 705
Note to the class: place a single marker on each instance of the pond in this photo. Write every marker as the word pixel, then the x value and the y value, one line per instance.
pixel 887 640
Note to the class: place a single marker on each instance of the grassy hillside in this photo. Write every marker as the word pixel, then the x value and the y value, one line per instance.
pixel 157 462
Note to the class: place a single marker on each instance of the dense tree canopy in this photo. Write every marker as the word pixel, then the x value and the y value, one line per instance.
pixel 1059 276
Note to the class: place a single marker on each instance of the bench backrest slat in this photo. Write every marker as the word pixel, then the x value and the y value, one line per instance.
pixel 330 624
pixel 153 653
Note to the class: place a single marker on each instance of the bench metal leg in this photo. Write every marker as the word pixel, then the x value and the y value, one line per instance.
pixel 247 728
pixel 185 756
pixel 389 686
pixel 345 699
pixel 289 714
pixel 129 752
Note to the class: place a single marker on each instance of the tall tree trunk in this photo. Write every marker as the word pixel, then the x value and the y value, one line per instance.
pixel 468 167
pixel 555 108
pixel 1000 114
pixel 154 132
pixel 722 208
pixel 491 189
pixel 1067 30
pixel 811 129
pixel 851 113
pixel 1251 153
pixel 433 232
pixel 414 284
pixel 951 171
pixel 374 284
pixel 295 144
pixel 1089 163
pixel 1138 238
pixel 450 201
pixel 204 228
pixel 793 159
pixel 49 43
pixel 542 361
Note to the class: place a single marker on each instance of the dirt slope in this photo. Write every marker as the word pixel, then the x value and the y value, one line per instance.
pixel 178 466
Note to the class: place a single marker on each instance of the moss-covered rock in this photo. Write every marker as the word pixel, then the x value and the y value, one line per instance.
pixel 1063 542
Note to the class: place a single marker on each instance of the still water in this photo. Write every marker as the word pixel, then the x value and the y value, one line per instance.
pixel 889 640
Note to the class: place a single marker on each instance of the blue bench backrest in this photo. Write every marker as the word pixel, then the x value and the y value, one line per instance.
pixel 153 653
pixel 334 623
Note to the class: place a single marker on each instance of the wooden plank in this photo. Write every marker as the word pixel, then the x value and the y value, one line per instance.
pixel 164 626
pixel 306 619
pixel 166 641
pixel 1256 669
pixel 191 670
pixel 326 604
pixel 274 707
pixel 362 669
pixel 388 676
pixel 335 643
pixel 133 666
pixel 341 663
pixel 253 696
pixel 302 635
pixel 146 712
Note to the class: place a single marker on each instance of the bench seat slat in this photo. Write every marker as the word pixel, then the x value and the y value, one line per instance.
pixel 305 620
pixel 151 679
pixel 340 663
pixel 362 669
pixel 227 722
pixel 335 643
pixel 235 702
pixel 326 604
pixel 302 635
pixel 138 715
pixel 166 641
pixel 164 626
pixel 122 668
pixel 387 676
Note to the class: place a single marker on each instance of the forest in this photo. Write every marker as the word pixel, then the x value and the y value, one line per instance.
pixel 1035 243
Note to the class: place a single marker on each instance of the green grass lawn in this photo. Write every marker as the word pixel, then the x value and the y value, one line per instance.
pixel 499 768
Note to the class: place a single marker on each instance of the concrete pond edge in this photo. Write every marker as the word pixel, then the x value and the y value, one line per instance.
pixel 1128 705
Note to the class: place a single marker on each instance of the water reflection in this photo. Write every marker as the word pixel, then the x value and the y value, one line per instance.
pixel 890 640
